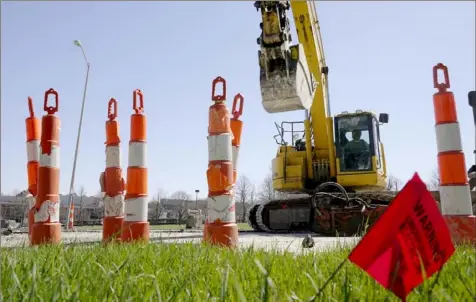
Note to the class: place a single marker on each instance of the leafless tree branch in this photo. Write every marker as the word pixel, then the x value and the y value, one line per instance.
pixel 434 182
pixel 244 192
pixel 267 192
pixel 393 183
pixel 183 197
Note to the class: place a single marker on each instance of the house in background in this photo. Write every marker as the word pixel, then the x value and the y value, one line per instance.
pixel 90 209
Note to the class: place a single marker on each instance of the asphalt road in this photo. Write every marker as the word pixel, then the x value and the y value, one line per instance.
pixel 289 242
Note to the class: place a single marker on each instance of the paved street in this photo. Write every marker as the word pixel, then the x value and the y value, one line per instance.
pixel 290 242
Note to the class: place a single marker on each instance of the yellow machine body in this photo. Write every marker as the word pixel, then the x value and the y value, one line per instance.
pixel 294 77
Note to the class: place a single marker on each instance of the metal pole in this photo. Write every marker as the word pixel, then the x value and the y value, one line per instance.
pixel 71 187
pixel 196 198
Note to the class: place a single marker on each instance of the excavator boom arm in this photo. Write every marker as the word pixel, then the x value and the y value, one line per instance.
pixel 294 77
pixel 309 35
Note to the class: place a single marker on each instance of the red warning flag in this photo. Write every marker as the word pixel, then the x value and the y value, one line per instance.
pixel 409 237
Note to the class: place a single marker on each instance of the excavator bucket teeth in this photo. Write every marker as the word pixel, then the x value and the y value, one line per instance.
pixel 283 91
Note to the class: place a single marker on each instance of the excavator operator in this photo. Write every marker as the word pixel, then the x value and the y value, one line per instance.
pixel 356 152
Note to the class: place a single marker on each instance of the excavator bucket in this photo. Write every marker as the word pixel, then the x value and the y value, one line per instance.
pixel 287 85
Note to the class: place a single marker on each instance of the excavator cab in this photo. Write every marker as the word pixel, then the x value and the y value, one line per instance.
pixel 359 152
pixel 285 80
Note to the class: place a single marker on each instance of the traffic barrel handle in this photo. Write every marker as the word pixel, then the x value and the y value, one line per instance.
pixel 446 83
pixel 110 106
pixel 140 108
pixel 215 97
pixel 237 100
pixel 30 107
pixel 51 109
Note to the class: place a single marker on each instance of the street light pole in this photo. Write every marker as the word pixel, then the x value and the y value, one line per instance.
pixel 196 198
pixel 71 187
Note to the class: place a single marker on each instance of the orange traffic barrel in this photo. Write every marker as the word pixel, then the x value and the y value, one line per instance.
pixel 33 136
pixel 454 190
pixel 47 228
pixel 236 128
pixel 136 226
pixel 112 181
pixel 220 225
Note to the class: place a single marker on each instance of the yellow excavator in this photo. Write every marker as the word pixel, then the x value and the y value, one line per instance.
pixel 338 163
pixel 333 169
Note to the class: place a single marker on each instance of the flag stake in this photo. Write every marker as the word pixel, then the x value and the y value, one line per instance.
pixel 329 279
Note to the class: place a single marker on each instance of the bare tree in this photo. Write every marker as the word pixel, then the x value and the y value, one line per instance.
pixel 82 194
pixel 393 183
pixel 267 191
pixel 434 182
pixel 243 191
pixel 252 198
pixel 183 197
pixel 157 201
pixel 161 194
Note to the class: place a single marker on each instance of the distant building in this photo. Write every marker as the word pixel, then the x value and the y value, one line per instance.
pixel 86 207
pixel 89 209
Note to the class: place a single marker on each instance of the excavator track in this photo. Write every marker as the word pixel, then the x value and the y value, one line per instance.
pixel 334 214
pixel 251 217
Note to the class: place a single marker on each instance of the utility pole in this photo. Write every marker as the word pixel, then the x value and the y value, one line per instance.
pixel 71 187
pixel 196 198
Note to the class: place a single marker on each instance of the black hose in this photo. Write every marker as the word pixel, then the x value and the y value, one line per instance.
pixel 322 186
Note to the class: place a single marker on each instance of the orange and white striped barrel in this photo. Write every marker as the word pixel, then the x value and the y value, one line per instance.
pixel 112 180
pixel 33 136
pixel 71 217
pixel 220 226
pixel 136 226
pixel 236 128
pixel 47 228
pixel 454 190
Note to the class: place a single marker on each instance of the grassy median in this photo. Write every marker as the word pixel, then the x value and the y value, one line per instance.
pixel 194 272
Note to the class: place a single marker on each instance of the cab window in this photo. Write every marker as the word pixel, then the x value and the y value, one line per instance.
pixel 353 143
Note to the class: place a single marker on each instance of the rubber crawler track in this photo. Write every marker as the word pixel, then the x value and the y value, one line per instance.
pixel 254 215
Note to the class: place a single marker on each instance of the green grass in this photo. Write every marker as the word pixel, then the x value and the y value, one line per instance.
pixel 241 226
pixel 194 272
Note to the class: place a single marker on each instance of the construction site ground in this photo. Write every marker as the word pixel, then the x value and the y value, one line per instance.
pixel 266 241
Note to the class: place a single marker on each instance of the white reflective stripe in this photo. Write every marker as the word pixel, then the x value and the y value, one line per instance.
pixel 219 147
pixel 236 153
pixel 113 157
pixel 136 209
pixel 455 200
pixel 33 150
pixel 114 206
pixel 137 154
pixel 448 137
pixel 221 207
pixel 52 160
pixel 47 210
